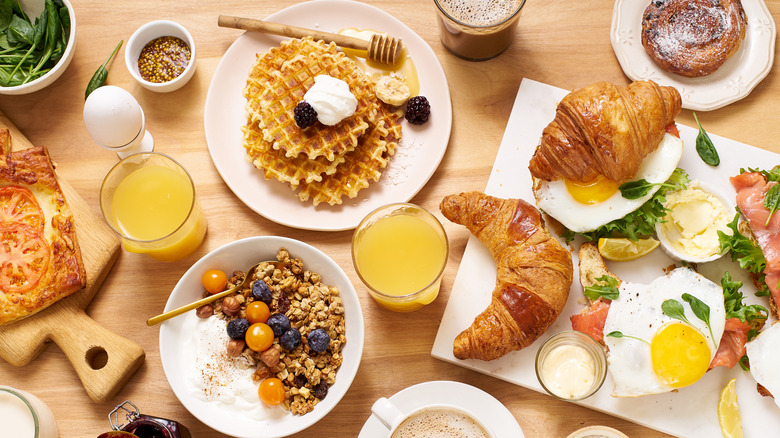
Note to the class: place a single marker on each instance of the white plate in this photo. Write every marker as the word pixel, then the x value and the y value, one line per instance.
pixel 415 160
pixel 693 409
pixel 734 80
pixel 484 405
pixel 242 254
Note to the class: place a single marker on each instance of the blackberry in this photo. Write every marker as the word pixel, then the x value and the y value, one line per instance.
pixel 418 109
pixel 305 114
pixel 318 340
pixel 237 328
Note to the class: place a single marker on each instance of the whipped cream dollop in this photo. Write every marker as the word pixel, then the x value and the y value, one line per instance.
pixel 218 378
pixel 331 98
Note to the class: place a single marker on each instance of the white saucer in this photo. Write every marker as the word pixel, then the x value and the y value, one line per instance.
pixel 490 410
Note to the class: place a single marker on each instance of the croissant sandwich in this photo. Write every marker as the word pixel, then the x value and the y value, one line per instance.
pixel 602 136
pixel 533 278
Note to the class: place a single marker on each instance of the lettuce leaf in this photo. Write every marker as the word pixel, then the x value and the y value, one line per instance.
pixel 745 252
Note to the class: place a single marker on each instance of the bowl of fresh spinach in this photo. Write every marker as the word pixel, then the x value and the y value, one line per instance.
pixel 37 40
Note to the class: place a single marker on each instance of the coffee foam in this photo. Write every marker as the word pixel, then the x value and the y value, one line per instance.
pixel 439 423
pixel 479 12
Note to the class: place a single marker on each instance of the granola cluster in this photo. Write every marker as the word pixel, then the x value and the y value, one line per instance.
pixel 308 304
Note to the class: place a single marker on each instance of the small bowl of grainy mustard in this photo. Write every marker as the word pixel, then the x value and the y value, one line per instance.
pixel 160 55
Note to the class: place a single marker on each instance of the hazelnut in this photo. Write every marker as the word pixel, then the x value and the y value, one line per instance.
pixel 205 311
pixel 230 306
pixel 236 347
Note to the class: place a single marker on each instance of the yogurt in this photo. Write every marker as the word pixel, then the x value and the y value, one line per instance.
pixel 331 98
pixel 217 377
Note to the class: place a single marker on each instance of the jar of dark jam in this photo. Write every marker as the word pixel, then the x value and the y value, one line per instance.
pixel 142 426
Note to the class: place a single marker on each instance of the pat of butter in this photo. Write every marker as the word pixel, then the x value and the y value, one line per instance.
pixel 692 224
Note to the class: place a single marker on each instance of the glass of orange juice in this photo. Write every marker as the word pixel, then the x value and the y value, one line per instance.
pixel 400 251
pixel 149 200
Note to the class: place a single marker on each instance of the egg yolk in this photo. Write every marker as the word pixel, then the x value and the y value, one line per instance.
pixel 680 355
pixel 592 192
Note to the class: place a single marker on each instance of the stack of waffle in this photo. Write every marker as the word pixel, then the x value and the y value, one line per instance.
pixel 322 163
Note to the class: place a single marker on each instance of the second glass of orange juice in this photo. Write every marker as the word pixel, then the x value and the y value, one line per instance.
pixel 400 251
pixel 149 200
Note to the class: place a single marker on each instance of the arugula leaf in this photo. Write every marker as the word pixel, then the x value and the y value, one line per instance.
pixel 772 201
pixel 700 309
pixel 754 315
pixel 641 222
pixel 771 175
pixel 609 290
pixel 618 334
pixel 746 253
pixel 674 309
pixel 704 146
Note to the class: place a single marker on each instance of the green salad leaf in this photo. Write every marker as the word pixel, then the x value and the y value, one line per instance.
pixel 745 252
pixel 607 289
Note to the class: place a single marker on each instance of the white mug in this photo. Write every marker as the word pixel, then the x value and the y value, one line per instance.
pixel 391 417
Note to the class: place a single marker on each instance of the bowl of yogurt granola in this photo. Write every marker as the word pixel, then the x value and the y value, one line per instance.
pixel 276 355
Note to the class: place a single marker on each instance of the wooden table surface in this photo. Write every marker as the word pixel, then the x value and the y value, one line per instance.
pixel 560 42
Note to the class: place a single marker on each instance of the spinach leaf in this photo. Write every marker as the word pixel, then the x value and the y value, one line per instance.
pixel 608 289
pixel 21 31
pixel 772 201
pixel 674 309
pixel 704 146
pixel 635 189
pixel 700 309
pixel 6 13
pixel 99 78
pixel 618 334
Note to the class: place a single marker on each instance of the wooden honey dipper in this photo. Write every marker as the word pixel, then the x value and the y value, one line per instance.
pixel 383 49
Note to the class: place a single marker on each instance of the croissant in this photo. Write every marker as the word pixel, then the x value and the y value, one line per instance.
pixel 604 129
pixel 533 279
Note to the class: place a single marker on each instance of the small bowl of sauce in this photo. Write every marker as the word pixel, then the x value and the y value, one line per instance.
pixel 571 365
pixel 160 56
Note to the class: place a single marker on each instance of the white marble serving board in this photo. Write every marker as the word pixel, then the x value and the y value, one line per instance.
pixel 691 412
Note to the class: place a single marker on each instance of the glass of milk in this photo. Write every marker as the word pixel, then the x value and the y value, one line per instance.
pixel 24 415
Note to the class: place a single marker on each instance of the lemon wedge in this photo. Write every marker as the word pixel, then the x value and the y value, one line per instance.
pixel 620 249
pixel 728 412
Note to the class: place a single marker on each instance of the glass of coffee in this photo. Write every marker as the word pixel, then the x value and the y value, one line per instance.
pixel 477 30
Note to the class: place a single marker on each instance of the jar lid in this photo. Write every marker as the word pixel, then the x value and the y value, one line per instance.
pixel 597 432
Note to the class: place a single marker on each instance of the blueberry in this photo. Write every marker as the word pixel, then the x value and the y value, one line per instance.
pixel 318 340
pixel 279 323
pixel 290 339
pixel 261 291
pixel 237 328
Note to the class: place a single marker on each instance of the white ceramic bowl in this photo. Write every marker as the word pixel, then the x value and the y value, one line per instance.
pixel 148 32
pixel 58 69
pixel 240 255
pixel 676 254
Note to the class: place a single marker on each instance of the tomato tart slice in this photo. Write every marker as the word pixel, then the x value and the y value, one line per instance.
pixel 40 260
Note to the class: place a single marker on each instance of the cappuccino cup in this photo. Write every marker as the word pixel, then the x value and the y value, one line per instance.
pixel 431 421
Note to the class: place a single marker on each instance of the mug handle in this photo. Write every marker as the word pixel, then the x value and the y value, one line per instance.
pixel 386 412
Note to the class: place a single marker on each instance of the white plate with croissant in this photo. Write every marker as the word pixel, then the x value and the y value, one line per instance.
pixel 687 412
pixel 734 80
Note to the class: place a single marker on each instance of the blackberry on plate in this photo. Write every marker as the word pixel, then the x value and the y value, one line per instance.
pixel 418 109
pixel 318 340
pixel 279 323
pixel 305 114
pixel 261 292
pixel 290 339
pixel 237 328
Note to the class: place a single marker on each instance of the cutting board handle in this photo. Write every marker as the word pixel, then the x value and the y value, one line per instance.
pixel 103 360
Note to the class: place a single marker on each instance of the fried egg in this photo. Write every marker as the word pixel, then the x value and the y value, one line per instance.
pixel 764 355
pixel 585 207
pixel 658 353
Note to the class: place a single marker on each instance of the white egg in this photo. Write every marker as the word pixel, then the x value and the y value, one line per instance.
pixel 113 117
pixel 764 355
pixel 638 316
pixel 554 198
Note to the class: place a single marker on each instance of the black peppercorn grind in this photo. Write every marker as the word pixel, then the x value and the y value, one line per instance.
pixel 163 59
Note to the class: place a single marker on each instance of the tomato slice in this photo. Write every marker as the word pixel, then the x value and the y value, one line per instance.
pixel 24 257
pixel 18 204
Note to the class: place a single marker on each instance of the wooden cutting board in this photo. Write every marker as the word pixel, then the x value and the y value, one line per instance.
pixel 103 360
